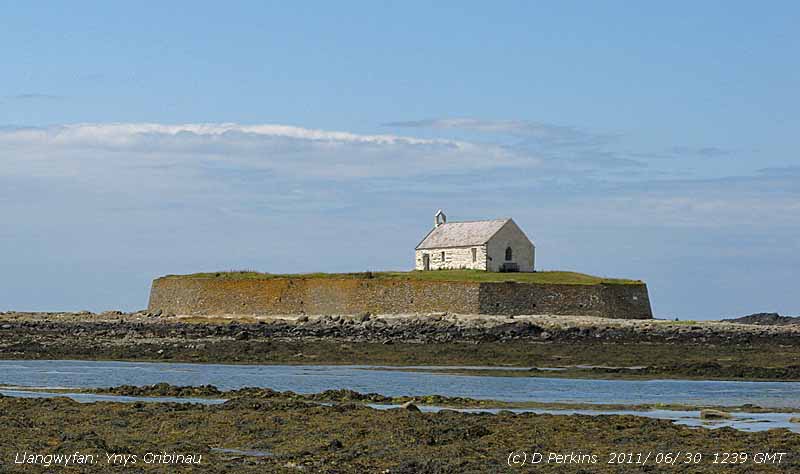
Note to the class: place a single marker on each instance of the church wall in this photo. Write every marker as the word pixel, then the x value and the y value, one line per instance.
pixel 456 258
pixel 510 235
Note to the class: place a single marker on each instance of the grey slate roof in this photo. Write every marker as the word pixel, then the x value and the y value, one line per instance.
pixel 461 234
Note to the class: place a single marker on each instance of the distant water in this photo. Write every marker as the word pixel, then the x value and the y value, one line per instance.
pixel 311 379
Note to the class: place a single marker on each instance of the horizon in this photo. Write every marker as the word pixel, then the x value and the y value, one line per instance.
pixel 139 141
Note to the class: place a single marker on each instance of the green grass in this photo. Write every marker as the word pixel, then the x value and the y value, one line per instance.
pixel 551 277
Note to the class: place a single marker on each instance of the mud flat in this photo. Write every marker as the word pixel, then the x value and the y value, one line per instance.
pixel 261 432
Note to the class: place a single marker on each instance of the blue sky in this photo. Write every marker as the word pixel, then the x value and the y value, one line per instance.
pixel 638 140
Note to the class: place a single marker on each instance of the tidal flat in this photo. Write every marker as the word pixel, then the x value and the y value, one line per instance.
pixel 265 433
pixel 338 431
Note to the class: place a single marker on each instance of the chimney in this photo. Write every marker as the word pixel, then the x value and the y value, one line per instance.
pixel 439 218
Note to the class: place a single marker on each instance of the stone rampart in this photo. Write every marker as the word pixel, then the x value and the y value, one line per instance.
pixel 604 300
pixel 276 296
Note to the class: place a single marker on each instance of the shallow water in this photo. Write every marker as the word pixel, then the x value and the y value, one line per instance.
pixel 312 379
pixel 740 420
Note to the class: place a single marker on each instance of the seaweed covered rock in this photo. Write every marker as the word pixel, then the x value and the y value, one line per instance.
pixel 163 390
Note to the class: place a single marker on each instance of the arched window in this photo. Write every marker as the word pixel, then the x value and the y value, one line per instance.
pixel 509 254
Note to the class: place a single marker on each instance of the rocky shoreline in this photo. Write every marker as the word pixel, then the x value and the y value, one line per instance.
pixel 435 327
pixel 657 348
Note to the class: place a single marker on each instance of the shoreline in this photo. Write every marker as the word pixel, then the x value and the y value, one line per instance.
pixel 567 372
pixel 578 347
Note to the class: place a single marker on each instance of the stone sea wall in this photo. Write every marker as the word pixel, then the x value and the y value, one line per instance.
pixel 609 301
pixel 276 296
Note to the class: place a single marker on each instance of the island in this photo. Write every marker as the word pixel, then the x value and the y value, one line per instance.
pixel 413 292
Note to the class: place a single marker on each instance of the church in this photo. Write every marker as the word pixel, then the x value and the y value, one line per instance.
pixel 496 245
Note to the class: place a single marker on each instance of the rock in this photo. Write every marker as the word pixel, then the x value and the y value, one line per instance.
pixel 363 317
pixel 335 444
pixel 709 414
pixel 242 336
pixel 410 407
pixel 765 319
pixel 302 319
pixel 794 419
pixel 6 326
pixel 157 313
pixel 515 329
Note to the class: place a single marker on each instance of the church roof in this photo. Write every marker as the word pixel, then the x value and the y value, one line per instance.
pixel 461 234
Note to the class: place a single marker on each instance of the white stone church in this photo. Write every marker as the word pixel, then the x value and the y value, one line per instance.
pixel 497 245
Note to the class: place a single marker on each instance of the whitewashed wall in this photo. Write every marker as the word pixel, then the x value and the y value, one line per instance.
pixel 523 252
pixel 456 258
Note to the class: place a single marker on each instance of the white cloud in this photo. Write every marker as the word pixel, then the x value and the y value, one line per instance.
pixel 250 168
pixel 539 132
pixel 121 134
pixel 283 149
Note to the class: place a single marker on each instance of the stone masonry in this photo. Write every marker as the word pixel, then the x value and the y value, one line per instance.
pixel 455 258
pixel 278 296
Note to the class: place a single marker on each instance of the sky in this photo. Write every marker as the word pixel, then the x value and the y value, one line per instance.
pixel 628 139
